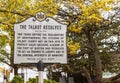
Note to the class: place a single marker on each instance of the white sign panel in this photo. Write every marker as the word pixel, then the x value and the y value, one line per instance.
pixel 40 40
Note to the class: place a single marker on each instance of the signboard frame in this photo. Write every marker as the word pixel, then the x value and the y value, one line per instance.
pixel 17 59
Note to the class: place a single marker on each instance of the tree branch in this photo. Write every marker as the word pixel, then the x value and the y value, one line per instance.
pixel 115 77
pixel 14 12
pixel 87 75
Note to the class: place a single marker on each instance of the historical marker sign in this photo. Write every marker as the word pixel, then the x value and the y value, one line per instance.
pixel 40 40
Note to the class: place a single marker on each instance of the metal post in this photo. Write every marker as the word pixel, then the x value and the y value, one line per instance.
pixel 40 71
pixel 40 77
pixel 26 74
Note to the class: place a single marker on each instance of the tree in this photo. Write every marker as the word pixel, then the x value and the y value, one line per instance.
pixel 3 42
pixel 89 18
pixel 16 11
pixel 86 25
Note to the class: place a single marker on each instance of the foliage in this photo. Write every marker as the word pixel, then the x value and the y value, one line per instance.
pixel 72 46
pixel 90 23
pixel 12 11
pixel 79 14
pixel 35 80
pixel 32 80
pixel 17 79
pixel 49 81
pixel 4 53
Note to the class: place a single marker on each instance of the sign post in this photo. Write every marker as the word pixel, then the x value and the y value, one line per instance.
pixel 40 71
pixel 40 39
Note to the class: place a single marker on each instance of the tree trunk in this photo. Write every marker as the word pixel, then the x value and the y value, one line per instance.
pixel 87 75
pixel 95 55
pixel 15 69
pixel 15 66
